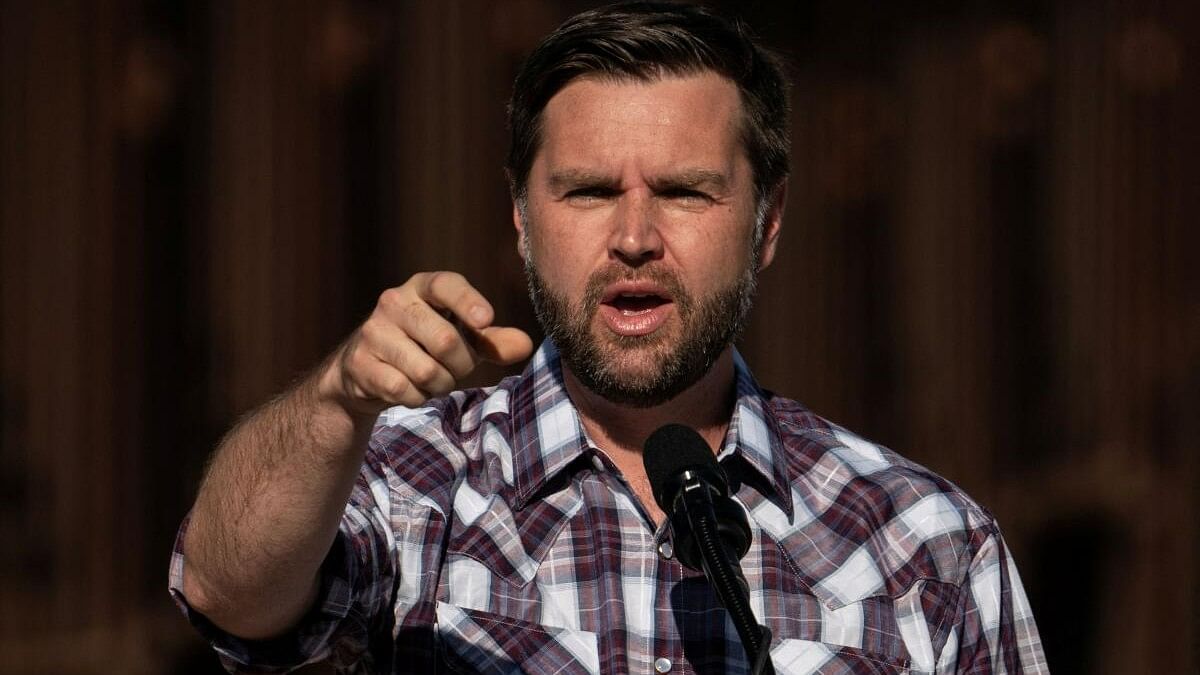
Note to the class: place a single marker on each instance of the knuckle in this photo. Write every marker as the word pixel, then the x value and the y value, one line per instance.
pixel 423 373
pixel 443 342
pixel 449 287
pixel 369 333
pixel 396 388
pixel 391 298
pixel 444 279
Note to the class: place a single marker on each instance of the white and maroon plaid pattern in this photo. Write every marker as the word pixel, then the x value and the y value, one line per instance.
pixel 488 534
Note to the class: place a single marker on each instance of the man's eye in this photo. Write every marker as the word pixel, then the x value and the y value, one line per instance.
pixel 588 196
pixel 687 197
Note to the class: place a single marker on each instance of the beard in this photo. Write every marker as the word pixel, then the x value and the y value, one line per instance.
pixel 642 371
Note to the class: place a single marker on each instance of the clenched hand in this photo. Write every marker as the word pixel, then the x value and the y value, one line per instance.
pixel 421 340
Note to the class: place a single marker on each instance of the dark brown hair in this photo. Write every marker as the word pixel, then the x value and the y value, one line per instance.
pixel 646 41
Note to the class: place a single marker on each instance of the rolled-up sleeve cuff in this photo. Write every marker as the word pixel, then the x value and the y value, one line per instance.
pixel 310 641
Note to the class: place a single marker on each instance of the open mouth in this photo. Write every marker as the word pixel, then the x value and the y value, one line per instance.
pixel 635 308
pixel 636 303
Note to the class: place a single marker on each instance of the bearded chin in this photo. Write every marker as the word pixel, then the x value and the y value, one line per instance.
pixel 670 363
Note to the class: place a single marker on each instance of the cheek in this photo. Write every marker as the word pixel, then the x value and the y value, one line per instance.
pixel 559 260
pixel 722 249
pixel 575 246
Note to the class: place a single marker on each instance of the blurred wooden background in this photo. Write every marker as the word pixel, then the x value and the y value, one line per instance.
pixel 989 264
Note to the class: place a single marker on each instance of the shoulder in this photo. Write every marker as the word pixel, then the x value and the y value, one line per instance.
pixel 912 521
pixel 425 452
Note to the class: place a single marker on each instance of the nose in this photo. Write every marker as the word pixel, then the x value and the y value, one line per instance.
pixel 635 238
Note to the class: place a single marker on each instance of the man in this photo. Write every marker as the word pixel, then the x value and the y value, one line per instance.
pixel 377 519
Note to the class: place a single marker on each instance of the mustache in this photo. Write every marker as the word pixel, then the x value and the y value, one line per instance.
pixel 615 272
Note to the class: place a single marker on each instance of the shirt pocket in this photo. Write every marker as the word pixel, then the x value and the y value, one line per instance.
pixel 805 657
pixel 471 641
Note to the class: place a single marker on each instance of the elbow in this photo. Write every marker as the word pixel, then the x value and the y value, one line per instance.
pixel 246 615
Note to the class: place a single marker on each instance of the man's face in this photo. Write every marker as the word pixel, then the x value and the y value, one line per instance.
pixel 637 232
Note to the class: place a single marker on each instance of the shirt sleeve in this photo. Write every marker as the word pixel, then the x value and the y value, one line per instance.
pixel 356 581
pixel 996 632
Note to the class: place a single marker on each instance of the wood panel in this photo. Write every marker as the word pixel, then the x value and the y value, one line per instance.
pixel 273 253
pixel 987 264
pixel 449 204
pixel 70 435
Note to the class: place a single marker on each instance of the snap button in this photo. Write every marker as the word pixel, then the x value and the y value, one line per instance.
pixel 666 551
pixel 662 664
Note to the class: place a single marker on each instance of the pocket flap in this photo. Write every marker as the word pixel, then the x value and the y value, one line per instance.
pixel 480 642
pixel 804 657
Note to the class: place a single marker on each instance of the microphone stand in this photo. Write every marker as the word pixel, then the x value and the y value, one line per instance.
pixel 722 570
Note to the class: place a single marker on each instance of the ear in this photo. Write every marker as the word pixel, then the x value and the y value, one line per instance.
pixel 519 226
pixel 772 222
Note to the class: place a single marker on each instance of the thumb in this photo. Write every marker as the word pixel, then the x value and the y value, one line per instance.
pixel 502 345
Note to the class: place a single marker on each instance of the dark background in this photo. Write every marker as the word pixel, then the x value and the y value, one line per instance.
pixel 988 263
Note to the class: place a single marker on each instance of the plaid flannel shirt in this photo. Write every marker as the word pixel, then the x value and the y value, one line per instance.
pixel 487 534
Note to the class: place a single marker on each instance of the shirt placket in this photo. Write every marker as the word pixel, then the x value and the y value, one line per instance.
pixel 666 651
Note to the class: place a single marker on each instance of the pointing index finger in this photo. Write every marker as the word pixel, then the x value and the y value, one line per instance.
pixel 502 345
pixel 451 291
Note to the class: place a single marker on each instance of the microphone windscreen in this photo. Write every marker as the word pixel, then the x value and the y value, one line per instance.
pixel 671 450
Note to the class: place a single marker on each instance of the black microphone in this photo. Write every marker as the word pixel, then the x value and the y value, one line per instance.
pixel 710 530
pixel 684 472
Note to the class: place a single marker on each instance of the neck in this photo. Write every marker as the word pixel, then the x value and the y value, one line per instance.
pixel 621 430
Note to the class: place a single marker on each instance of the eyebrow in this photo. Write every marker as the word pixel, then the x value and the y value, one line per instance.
pixel 566 179
pixel 692 178
pixel 572 178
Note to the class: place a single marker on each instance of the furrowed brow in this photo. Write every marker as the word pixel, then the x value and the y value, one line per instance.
pixel 567 179
pixel 693 179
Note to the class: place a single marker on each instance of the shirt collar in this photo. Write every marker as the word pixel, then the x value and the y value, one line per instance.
pixel 549 436
pixel 548 432
pixel 754 436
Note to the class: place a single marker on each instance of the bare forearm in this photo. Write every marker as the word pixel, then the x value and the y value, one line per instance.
pixel 268 512
pixel 268 509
